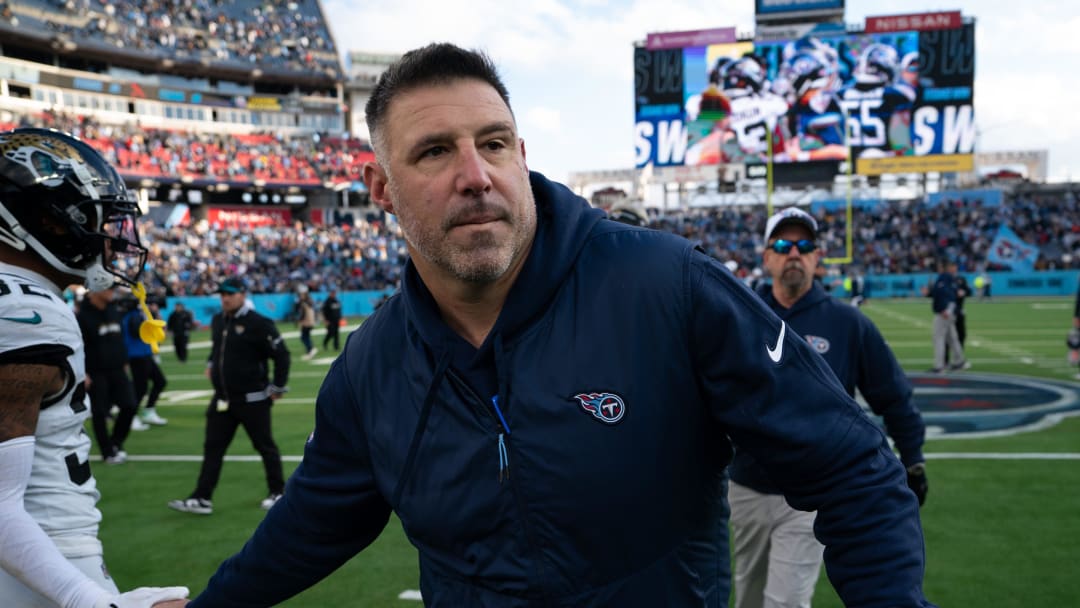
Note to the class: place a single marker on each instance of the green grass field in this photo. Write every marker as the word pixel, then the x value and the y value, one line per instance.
pixel 999 532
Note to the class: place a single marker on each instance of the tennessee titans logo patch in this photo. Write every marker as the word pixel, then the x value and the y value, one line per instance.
pixel 821 345
pixel 605 407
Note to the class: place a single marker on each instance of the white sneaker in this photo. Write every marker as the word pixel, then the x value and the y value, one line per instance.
pixel 311 353
pixel 200 506
pixel 150 416
pixel 120 457
pixel 269 501
pixel 139 425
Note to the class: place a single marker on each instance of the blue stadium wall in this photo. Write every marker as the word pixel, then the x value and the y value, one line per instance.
pixel 1044 283
pixel 277 306
pixel 362 303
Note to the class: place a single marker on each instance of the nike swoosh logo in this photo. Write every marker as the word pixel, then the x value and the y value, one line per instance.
pixel 34 320
pixel 777 351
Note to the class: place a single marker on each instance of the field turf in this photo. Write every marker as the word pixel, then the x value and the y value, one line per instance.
pixel 1001 521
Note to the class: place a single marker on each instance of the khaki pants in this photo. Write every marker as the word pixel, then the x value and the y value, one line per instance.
pixel 777 557
pixel 945 336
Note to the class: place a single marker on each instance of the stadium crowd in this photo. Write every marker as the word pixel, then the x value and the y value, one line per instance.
pixel 139 152
pixel 896 238
pixel 289 36
pixel 191 260
pixel 901 237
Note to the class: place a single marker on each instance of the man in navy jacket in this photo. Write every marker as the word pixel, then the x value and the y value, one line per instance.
pixel 776 554
pixel 547 403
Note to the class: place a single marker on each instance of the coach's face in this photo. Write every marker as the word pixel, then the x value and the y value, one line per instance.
pixel 794 270
pixel 231 302
pixel 452 168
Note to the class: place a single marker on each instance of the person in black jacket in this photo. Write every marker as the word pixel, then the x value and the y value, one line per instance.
pixel 107 382
pixel 243 342
pixel 180 324
pixel 331 312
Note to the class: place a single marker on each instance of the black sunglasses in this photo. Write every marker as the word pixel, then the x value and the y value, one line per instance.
pixel 783 246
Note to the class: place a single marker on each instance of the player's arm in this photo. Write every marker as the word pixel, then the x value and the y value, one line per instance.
pixel 26 552
pixel 25 387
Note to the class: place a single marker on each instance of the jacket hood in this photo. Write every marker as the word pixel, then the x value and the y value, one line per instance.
pixel 563 221
pixel 815 296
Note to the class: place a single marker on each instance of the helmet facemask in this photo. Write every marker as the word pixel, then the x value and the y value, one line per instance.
pixel 61 199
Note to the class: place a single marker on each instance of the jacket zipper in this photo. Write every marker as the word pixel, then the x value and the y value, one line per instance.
pixel 221 355
pixel 493 411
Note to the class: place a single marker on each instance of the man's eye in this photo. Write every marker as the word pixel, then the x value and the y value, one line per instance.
pixel 495 144
pixel 433 152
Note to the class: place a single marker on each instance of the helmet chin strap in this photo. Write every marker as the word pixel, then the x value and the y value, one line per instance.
pixel 97 278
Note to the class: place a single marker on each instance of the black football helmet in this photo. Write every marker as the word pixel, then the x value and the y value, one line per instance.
pixel 63 201
pixel 744 76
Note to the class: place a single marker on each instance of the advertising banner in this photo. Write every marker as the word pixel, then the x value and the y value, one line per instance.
pixel 790 10
pixel 891 97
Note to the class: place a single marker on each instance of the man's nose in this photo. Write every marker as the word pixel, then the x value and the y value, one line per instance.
pixel 473 177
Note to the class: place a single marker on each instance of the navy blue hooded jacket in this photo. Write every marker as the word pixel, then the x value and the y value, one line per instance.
pixel 856 352
pixel 622 359
pixel 943 293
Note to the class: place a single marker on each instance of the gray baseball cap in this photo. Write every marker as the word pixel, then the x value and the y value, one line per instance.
pixel 791 215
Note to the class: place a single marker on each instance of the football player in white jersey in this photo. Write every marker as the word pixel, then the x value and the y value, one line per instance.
pixel 65 217
pixel 755 111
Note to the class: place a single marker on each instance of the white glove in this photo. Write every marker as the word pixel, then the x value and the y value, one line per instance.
pixel 143 597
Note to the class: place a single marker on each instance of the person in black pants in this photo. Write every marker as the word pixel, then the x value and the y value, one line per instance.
pixel 331 312
pixel 100 321
pixel 180 324
pixel 962 292
pixel 146 375
pixel 243 341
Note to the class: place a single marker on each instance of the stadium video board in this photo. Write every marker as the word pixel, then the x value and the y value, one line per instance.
pixel 901 100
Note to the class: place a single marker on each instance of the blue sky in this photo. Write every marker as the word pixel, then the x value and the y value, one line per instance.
pixel 569 64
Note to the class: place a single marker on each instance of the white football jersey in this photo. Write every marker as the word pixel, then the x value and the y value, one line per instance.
pixel 751 116
pixel 36 326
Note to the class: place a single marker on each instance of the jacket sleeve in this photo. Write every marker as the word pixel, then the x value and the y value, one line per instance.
pixel 331 511
pixel 889 393
pixel 278 352
pixel 781 403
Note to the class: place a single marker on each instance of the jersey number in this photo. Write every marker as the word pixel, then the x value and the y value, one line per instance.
pixel 864 127
pixel 29 290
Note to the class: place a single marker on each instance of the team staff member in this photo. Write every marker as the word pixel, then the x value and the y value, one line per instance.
pixel 101 322
pixel 180 323
pixel 65 217
pixel 944 293
pixel 777 557
pixel 546 404
pixel 243 342
pixel 962 292
pixel 331 313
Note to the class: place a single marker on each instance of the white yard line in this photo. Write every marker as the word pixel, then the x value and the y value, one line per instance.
pixel 1018 355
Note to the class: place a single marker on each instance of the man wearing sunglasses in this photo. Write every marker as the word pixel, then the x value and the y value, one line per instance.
pixel 776 554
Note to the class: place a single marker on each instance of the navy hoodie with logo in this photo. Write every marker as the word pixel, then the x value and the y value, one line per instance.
pixel 573 459
pixel 855 350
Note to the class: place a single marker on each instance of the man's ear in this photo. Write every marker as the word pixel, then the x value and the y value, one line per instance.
pixel 376 182
pixel 524 161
